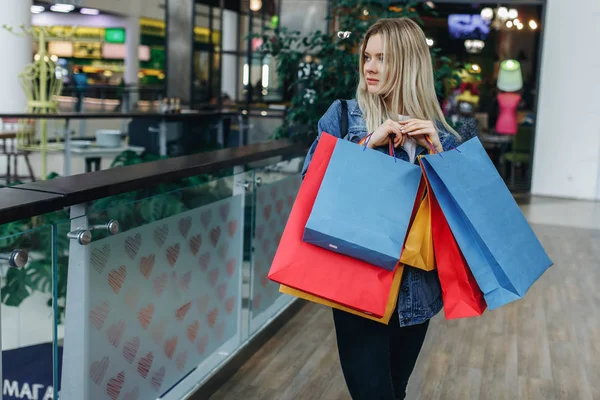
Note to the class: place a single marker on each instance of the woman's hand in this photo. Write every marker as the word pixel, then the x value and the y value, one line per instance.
pixel 381 135
pixel 419 129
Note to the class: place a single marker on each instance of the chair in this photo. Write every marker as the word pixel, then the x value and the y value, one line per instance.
pixel 520 155
pixel 12 153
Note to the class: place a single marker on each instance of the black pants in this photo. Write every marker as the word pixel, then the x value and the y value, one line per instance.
pixel 377 359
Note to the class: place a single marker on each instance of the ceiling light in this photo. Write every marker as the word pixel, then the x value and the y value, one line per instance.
pixel 89 11
pixel 429 42
pixel 533 24
pixel 255 5
pixel 509 24
pixel 365 12
pixel 62 8
pixel 513 13
pixel 516 21
pixel 474 46
pixel 430 4
pixel 519 26
pixel 487 14
pixel 37 9
pixel 503 12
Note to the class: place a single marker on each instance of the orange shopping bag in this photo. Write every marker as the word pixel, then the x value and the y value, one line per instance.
pixel 418 248
pixel 390 308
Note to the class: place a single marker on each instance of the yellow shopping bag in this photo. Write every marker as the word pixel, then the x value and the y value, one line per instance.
pixel 390 308
pixel 418 249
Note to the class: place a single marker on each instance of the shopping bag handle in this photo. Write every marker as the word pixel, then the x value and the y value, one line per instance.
pixel 392 151
pixel 432 149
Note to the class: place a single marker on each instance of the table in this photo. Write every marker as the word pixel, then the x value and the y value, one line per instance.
pixel 93 154
pixel 499 143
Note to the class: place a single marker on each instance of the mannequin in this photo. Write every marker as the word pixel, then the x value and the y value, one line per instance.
pixel 510 82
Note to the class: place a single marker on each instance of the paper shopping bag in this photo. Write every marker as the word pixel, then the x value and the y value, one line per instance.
pixel 331 276
pixel 390 308
pixel 418 249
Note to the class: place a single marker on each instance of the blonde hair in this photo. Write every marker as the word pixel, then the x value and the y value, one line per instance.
pixel 407 76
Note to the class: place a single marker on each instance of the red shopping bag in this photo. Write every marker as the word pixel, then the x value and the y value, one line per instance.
pixel 460 292
pixel 320 272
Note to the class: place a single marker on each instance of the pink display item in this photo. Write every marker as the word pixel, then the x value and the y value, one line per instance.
pixel 507 119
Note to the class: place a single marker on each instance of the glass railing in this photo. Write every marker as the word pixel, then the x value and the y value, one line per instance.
pixel 146 293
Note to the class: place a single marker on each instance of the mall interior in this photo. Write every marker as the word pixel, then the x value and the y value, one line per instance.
pixel 151 154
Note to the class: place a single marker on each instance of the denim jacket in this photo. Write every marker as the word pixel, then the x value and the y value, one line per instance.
pixel 420 296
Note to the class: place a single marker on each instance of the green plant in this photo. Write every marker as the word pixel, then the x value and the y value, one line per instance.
pixel 320 68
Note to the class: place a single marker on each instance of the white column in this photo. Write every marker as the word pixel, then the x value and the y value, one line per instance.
pixel 132 58
pixel 17 52
pixel 230 43
pixel 567 138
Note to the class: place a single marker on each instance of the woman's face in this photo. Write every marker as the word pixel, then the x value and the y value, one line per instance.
pixel 373 67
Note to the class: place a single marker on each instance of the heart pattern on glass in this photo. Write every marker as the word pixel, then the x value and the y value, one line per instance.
pixel 212 317
pixel 99 258
pixel 132 245
pixel 192 331
pixel 115 333
pixel 145 364
pixel 181 360
pixel 204 261
pixel 114 385
pixel 98 369
pixel 260 232
pixel 202 303
pixel 131 298
pixel 201 346
pixel 230 304
pixel 182 311
pixel 145 315
pixel 184 282
pixel 99 314
pixel 170 346
pixel 231 264
pixel 223 250
pixel 232 228
pixel 173 254
pixel 158 332
pixel 213 277
pixel 134 394
pixel 116 277
pixel 224 211
pixel 184 226
pixel 279 206
pixel 158 378
pixel 160 235
pixel 267 211
pixel 195 244
pixel 222 291
pixel 215 235
pixel 160 282
pixel 146 265
pixel 130 349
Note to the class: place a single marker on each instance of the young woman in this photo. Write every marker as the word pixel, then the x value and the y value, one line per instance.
pixel 395 100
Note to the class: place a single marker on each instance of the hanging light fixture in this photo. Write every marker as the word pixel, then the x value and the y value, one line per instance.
pixel 504 18
pixel 255 5
pixel 474 46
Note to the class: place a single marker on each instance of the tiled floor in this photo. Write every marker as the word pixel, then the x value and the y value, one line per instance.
pixel 544 347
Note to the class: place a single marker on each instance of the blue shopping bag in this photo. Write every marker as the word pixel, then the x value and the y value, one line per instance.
pixel 501 249
pixel 364 205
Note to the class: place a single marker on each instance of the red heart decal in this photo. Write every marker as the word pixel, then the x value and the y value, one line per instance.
pixel 222 291
pixel 256 301
pixel 158 378
pixel 160 235
pixel 130 349
pixel 182 311
pixel 99 314
pixel 116 277
pixel 231 266
pixel 212 317
pixel 232 228
pixel 205 218
pixel 181 360
pixel 160 282
pixel 173 254
pixel 204 261
pixel 131 298
pixel 195 244
pixel 132 245
pixel 192 331
pixel 202 303
pixel 100 257
pixel 279 206
pixel 224 211
pixel 260 232
pixel 220 330
pixel 133 395
pixel 145 364
pixel 223 249
pixel 98 369
pixel 184 226
pixel 264 280
pixel 145 315
pixel 184 283
pixel 215 235
pixel 158 332
pixel 202 344
pixel 230 304
pixel 213 277
pixel 170 346
pixel 115 333
pixel 146 265
pixel 114 385
pixel 267 212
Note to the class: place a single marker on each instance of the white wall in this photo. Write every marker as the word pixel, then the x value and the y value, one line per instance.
pixel 567 141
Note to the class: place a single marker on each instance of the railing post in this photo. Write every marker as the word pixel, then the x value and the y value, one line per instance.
pixel 75 379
